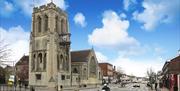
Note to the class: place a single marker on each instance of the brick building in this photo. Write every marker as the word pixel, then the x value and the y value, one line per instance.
pixel 22 69
pixel 108 71
pixel 170 71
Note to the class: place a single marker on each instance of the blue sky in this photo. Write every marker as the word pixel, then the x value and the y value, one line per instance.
pixel 134 35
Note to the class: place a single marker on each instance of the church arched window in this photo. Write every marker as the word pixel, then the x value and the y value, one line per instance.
pixel 44 63
pixel 92 67
pixel 62 25
pixel 39 61
pixel 67 64
pixel 75 70
pixel 33 62
pixel 58 62
pixel 62 60
pixel 84 73
pixel 39 23
pixel 45 23
pixel 57 27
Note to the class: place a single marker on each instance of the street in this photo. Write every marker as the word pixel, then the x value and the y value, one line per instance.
pixel 128 87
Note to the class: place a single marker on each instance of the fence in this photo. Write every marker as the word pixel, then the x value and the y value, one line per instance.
pixel 4 87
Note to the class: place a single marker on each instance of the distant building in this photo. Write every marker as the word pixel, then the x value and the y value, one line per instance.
pixel 85 69
pixel 22 69
pixel 107 71
pixel 9 70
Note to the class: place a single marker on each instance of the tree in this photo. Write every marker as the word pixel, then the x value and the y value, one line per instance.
pixel 22 73
pixel 151 75
pixel 2 75
pixel 4 52
pixel 120 72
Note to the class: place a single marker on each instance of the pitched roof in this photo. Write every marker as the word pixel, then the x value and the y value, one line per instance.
pixel 176 58
pixel 23 61
pixel 80 56
pixel 174 66
pixel 105 63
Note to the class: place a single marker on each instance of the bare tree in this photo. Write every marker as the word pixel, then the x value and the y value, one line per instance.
pixel 151 75
pixel 23 74
pixel 4 52
pixel 120 72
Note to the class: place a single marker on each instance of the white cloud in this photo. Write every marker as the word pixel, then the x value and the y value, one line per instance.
pixel 79 18
pixel 27 5
pixel 127 3
pixel 101 57
pixel 156 12
pixel 8 6
pixel 123 16
pixel 18 40
pixel 6 9
pixel 134 66
pixel 137 67
pixel 113 33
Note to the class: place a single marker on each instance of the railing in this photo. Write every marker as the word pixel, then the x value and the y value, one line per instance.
pixel 4 87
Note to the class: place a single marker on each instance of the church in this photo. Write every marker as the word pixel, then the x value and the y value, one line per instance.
pixel 51 63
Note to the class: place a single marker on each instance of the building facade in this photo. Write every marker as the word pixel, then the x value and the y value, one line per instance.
pixel 22 70
pixel 171 70
pixel 107 71
pixel 85 69
pixel 49 52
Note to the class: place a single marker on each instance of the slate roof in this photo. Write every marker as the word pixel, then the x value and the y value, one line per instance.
pixel 23 61
pixel 80 56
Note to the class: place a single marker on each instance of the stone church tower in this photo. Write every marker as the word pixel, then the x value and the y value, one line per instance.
pixel 49 55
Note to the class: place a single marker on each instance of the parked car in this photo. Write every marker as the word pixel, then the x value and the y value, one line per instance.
pixel 136 85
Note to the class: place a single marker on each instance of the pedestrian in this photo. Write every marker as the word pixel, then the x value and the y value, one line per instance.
pixel 156 86
pixel 105 88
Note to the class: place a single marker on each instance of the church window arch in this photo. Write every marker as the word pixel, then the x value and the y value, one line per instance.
pixel 67 64
pixel 57 23
pixel 44 63
pixel 62 26
pixel 62 60
pixel 58 62
pixel 33 62
pixel 46 22
pixel 99 75
pixel 93 67
pixel 39 23
pixel 75 70
pixel 39 61
pixel 84 73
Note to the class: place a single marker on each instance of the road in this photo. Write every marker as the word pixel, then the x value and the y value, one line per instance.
pixel 113 87
pixel 128 87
